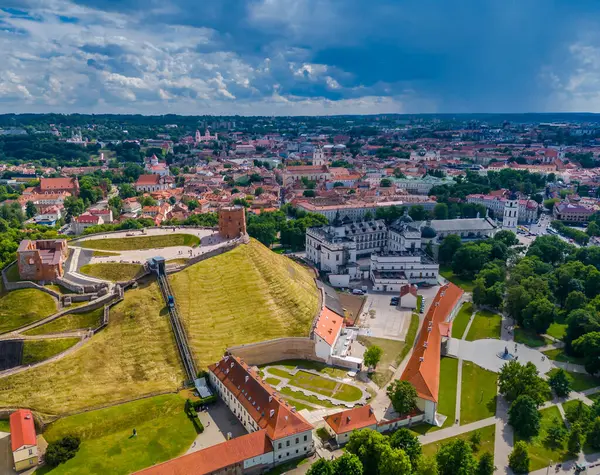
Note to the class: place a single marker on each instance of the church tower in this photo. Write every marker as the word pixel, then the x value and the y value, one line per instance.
pixel 319 157
pixel 511 213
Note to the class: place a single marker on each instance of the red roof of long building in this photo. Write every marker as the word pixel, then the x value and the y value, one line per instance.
pixel 423 368
pixel 215 458
pixel 351 419
pixel 22 429
pixel 268 410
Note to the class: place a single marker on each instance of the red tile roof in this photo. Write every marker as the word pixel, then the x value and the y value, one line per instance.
pixel 269 411
pixel 408 289
pixel 214 458
pixel 148 180
pixel 423 368
pixel 48 184
pixel 352 419
pixel 22 429
pixel 329 325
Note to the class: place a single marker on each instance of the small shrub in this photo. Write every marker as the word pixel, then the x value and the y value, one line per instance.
pixel 62 450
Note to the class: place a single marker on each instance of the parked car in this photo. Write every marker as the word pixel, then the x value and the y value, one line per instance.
pixel 357 292
pixel 394 301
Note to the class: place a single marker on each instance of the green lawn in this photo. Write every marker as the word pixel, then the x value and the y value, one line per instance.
pixel 71 321
pixel 579 381
pixel 113 271
pixel 12 273
pixel 326 387
pixel 312 400
pixel 392 350
pixel 447 393
pixel 594 397
pixel 559 354
pixel 478 393
pixel 272 381
pixel 24 306
pixel 557 330
pixel 163 432
pixel 530 338
pixel 299 405
pixel 245 295
pixel 58 288
pixel 540 453
pixel 4 425
pixel 105 254
pixel 460 322
pixel 466 285
pixel 140 242
pixel 313 365
pixel 35 351
pixel 488 437
pixel 485 325
pixel 279 372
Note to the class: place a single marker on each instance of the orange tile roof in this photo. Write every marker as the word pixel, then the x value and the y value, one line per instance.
pixel 329 325
pixel 215 458
pixel 352 419
pixel 148 180
pixel 22 429
pixel 269 410
pixel 423 368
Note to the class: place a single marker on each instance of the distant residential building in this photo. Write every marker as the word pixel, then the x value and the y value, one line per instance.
pixel 42 260
pixel 333 341
pixel 294 174
pixel 23 440
pixel 468 229
pixel 105 214
pixel 151 183
pixel 83 221
pixel 526 212
pixel 243 149
pixel 49 216
pixel 573 213
pixel 56 185
pixel 408 296
pixel 131 205
pixel 421 186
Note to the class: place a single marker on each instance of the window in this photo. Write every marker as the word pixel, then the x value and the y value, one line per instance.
pixel 287 443
pixel 297 440
pixel 279 446
pixel 305 438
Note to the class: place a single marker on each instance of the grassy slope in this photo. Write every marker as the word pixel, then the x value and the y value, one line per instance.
pixel 447 393
pixel 140 242
pixel 24 306
pixel 488 436
pixel 135 355
pixel 164 431
pixel 460 322
pixel 71 321
pixel 246 295
pixel 557 330
pixel 114 271
pixel 579 381
pixel 478 393
pixel 485 325
pixel 529 338
pixel 35 351
pixel 559 354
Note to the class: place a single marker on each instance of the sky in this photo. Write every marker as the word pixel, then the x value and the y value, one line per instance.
pixel 299 57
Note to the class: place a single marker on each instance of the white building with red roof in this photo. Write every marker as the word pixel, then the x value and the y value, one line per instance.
pixel 408 296
pixel 84 221
pixel 153 183
pixel 23 440
pixel 259 407
pixel 156 167
pixel 341 424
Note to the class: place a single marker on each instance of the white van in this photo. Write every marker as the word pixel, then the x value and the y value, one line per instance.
pixel 357 292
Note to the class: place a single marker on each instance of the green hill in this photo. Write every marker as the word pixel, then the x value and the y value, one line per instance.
pixel 246 295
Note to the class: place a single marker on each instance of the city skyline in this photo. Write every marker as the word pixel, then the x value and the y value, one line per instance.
pixel 273 57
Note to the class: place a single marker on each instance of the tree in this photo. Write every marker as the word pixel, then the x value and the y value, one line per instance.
pixel 426 466
pixel 367 445
pixel 469 259
pixel 321 467
pixel 555 434
pixel 404 439
pixel 575 439
pixel 127 191
pixel 417 212
pixel 588 345
pixel 62 450
pixel 440 211
pixel 393 462
pixel 507 237
pixel 524 416
pixel 486 464
pixel 516 379
pixel 518 459
pixel 385 183
pixel 593 435
pixel 539 315
pixel 575 300
pixel 456 458
pixel 403 396
pixel 259 191
pixel 347 464
pixel 30 210
pixel 309 193
pixel 448 248
pixel 265 232
pixel 475 440
pixel 560 382
pixel 578 413
pixel 372 356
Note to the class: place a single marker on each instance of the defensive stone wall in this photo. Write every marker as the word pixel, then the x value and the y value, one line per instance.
pixel 265 352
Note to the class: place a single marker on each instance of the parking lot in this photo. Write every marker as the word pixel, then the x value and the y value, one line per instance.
pixel 389 321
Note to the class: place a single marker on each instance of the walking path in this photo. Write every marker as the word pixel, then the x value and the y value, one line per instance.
pixel 455 430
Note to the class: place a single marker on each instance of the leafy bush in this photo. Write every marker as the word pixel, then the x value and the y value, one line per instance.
pixel 62 450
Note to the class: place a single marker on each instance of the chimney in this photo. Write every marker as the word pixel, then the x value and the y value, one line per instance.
pixel 271 412
pixel 246 378
pixel 421 359
pixel 270 398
